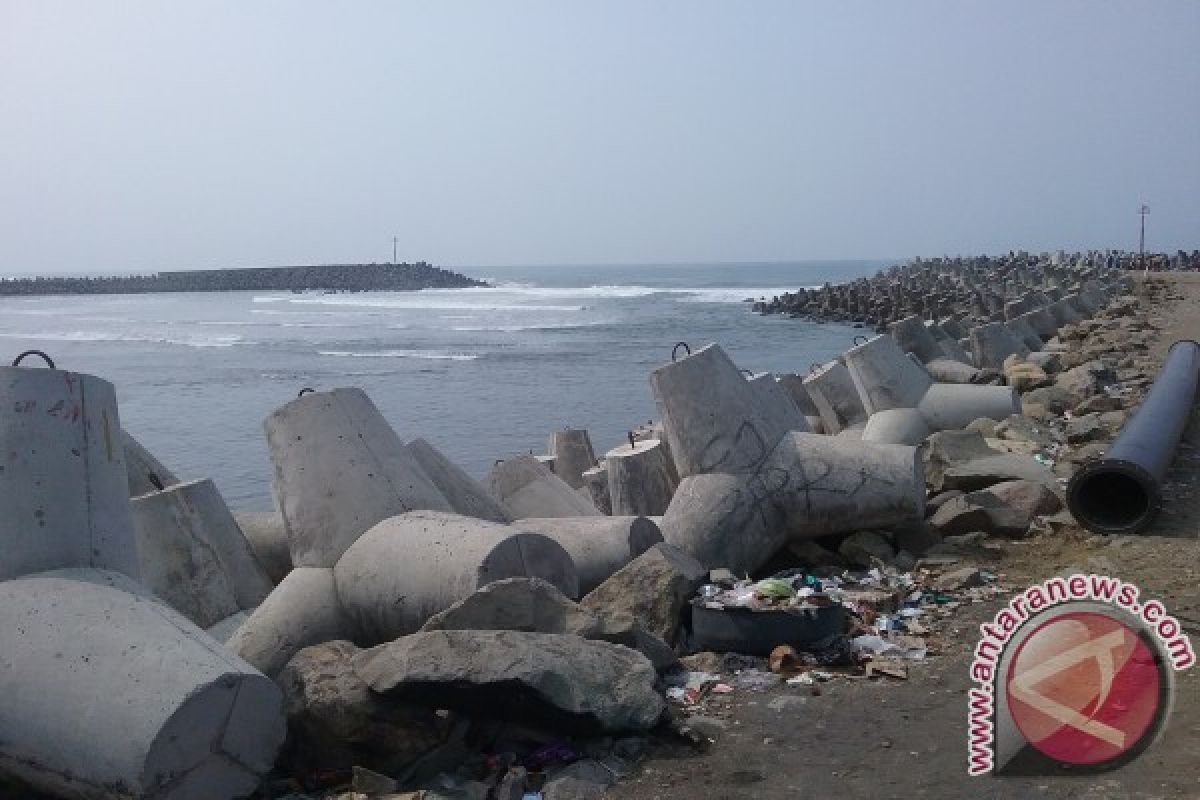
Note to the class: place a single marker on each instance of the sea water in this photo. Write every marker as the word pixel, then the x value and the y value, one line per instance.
pixel 482 374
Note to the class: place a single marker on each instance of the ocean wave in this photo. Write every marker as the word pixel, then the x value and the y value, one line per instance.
pixel 98 336
pixel 431 355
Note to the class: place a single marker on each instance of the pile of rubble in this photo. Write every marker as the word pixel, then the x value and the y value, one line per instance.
pixel 398 629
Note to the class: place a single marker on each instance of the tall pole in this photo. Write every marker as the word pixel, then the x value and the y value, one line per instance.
pixel 1142 212
pixel 395 242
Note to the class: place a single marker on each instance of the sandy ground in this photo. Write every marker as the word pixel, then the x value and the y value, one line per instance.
pixel 908 739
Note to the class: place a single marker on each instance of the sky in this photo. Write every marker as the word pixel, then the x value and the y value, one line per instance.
pixel 137 136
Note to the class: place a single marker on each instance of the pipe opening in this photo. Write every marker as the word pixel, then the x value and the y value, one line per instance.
pixel 1113 502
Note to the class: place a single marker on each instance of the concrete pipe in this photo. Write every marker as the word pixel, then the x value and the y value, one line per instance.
pixel 778 400
pixel 193 555
pixel 641 479
pixel 64 489
pixel 595 480
pixel 714 419
pixel 992 343
pixel 465 494
pixel 303 610
pixel 109 695
pixel 833 393
pixel 599 546
pixel 146 473
pixel 887 379
pixel 408 568
pixel 572 450
pixel 896 426
pixel 528 489
pixel 810 486
pixel 264 531
pixel 339 469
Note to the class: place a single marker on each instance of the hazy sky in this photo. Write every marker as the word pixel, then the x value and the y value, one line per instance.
pixel 148 135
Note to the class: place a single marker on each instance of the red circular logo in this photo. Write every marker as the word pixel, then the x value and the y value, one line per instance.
pixel 1084 688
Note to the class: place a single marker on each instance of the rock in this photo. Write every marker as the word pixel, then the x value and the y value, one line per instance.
pixel 536 606
pixel 368 782
pixel 940 499
pixel 1019 428
pixel 984 426
pixel 1049 362
pixel 963 460
pixel 335 722
pixel 1032 499
pixel 1085 380
pixel 583 780
pixel 916 537
pixel 653 588
pixel 964 578
pixel 1098 403
pixel 1025 376
pixel 810 553
pixel 865 547
pixel 559 679
pixel 980 511
pixel 512 787
pixel 1088 428
pixel 1114 420
pixel 1054 400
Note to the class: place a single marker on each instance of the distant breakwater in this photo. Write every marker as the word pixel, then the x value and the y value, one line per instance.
pixel 332 277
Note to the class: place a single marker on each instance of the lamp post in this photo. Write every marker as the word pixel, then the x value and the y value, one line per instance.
pixel 1142 212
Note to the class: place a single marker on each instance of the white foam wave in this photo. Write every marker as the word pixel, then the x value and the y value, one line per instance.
pixel 431 355
pixel 97 336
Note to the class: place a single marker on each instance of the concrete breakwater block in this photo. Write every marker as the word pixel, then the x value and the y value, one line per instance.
pixel 339 469
pixel 193 555
pixel 994 342
pixel 595 480
pixel 887 379
pixel 465 494
pixel 794 384
pixel 714 419
pixel 408 568
pixel 775 397
pixel 641 478
pixel 809 486
pixel 109 694
pixel 572 451
pixel 599 546
pixel 64 488
pixel 837 401
pixel 265 532
pixel 527 489
pixel 303 610
pixel 146 473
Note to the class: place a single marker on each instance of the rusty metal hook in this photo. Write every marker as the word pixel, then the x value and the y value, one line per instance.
pixel 675 349
pixel 49 361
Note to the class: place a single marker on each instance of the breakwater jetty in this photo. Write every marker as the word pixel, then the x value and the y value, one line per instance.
pixel 331 277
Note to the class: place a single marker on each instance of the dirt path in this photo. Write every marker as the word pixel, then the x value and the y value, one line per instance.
pixel 907 739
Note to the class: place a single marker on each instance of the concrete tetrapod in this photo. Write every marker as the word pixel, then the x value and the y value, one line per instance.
pixel 408 568
pixel 599 546
pixel 268 539
pixel 64 489
pixel 302 611
pixel 110 694
pixel 993 342
pixel 146 473
pixel 833 393
pixel 596 481
pixel 193 554
pixel 527 489
pixel 572 451
pixel 641 478
pixel 339 469
pixel 887 379
pixel 465 494
pixel 803 400
pixel 809 486
pixel 1025 333
pixel 698 397
pixel 775 396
